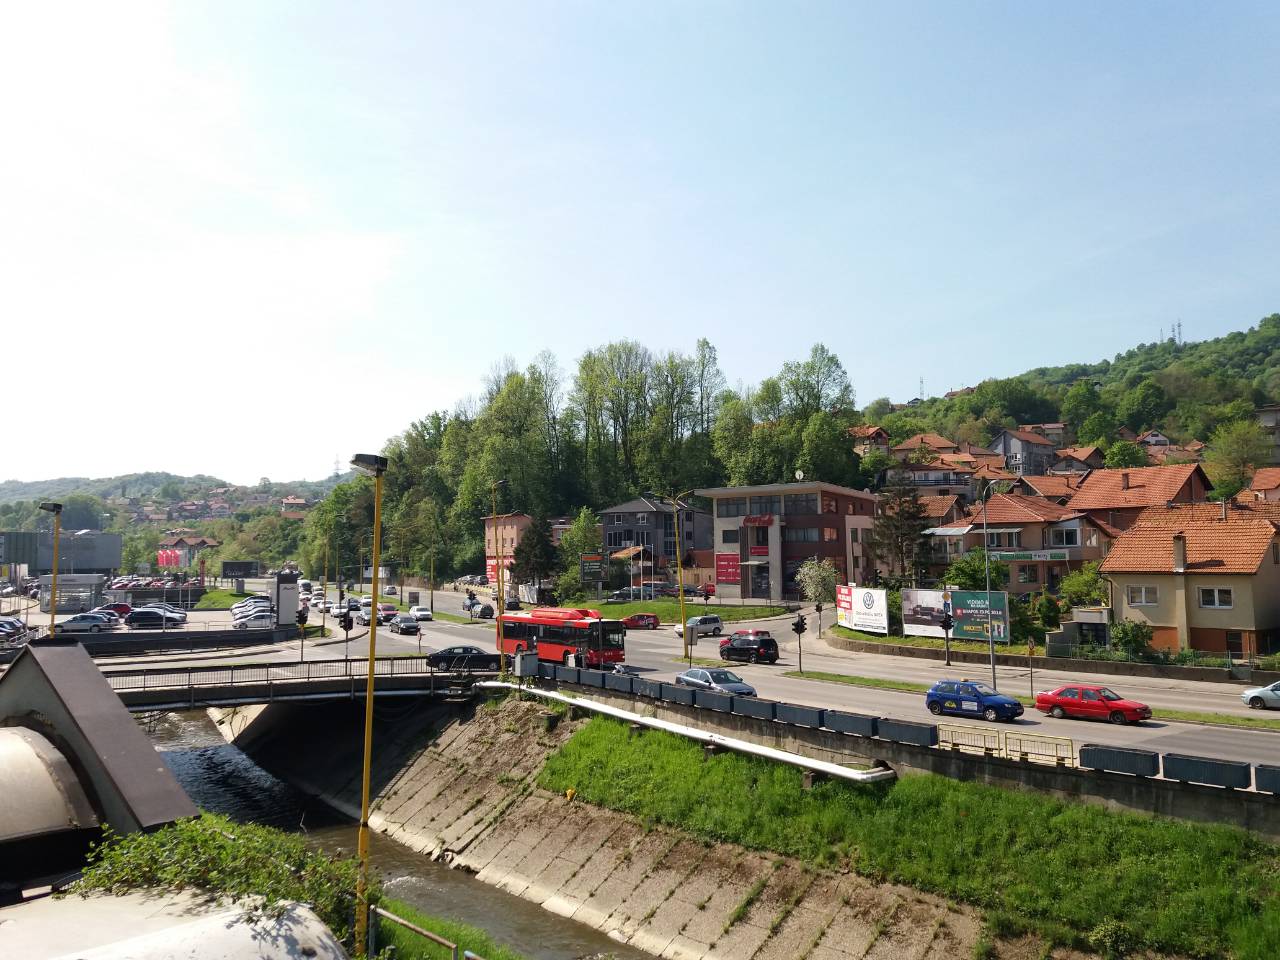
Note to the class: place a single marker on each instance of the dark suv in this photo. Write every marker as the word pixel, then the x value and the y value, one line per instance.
pixel 753 646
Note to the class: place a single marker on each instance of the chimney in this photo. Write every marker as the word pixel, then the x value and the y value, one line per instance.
pixel 1179 552
pixel 1224 509
pixel 1124 480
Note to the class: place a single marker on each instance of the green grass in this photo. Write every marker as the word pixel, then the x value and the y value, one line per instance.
pixel 1070 871
pixel 454 618
pixel 668 610
pixel 930 643
pixel 1248 722
pixel 409 946
pixel 219 599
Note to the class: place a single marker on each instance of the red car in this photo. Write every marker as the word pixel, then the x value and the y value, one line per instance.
pixel 121 609
pixel 1091 702
pixel 641 621
pixel 748 634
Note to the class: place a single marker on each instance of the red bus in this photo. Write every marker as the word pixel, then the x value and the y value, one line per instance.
pixel 557 633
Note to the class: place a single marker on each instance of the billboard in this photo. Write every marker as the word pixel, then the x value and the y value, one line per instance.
pixel 922 612
pixel 239 569
pixel 728 568
pixel 491 567
pixel 862 608
pixel 592 567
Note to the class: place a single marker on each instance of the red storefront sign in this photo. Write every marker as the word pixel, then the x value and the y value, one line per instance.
pixel 758 520
pixel 491 567
pixel 760 551
pixel 728 568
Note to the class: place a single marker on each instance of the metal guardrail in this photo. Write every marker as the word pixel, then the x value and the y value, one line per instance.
pixel 1012 745
pixel 230 675
pixel 435 938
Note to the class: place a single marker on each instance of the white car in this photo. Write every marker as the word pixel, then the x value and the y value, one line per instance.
pixel 420 613
pixel 1261 698
pixel 256 621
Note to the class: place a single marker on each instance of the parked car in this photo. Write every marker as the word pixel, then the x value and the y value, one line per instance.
pixel 971 698
pixel 121 609
pixel 420 613
pixel 145 618
pixel 403 623
pixel 389 591
pixel 465 658
pixel 83 623
pixel 168 607
pixel 1262 698
pixel 701 626
pixel 750 647
pixel 1091 702
pixel 256 621
pixel 722 681
pixel 641 621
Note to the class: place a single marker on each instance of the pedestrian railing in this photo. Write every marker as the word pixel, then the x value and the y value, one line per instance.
pixel 230 675
pixel 1010 744
pixel 970 739
pixel 455 952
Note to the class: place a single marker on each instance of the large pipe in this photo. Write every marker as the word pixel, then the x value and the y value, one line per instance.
pixel 728 743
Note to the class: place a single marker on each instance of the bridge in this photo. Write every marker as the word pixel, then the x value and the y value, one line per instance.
pixel 189 688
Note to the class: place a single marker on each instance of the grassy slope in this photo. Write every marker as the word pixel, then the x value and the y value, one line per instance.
pixel 1061 868
pixel 668 610
pixel 219 599
pixel 409 946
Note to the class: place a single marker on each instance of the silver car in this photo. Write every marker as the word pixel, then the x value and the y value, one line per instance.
pixel 701 626
pixel 1261 698
pixel 85 623
pixel 722 681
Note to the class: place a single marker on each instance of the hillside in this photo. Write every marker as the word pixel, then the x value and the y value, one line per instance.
pixel 150 486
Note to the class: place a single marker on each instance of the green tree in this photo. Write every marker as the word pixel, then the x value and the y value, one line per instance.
pixel 1080 403
pixel 1126 453
pixel 825 453
pixel 816 384
pixel 534 558
pixel 1142 406
pixel 1132 637
pixel 817 580
pixel 1084 587
pixel 898 531
pixel 1098 428
pixel 1048 611
pixel 1234 451
pixel 969 572
pixel 583 536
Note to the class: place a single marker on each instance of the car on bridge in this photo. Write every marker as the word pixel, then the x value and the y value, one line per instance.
pixel 465 659
pixel 420 613
pixel 1260 698
pixel 1089 701
pixel 403 624
pixel 970 698
pixel 641 621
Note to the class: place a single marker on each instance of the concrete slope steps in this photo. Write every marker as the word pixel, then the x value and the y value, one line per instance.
pixel 469 798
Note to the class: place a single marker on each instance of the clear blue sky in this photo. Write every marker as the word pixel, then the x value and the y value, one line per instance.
pixel 367 204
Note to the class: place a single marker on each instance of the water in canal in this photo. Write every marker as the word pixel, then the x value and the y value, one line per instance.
pixel 223 780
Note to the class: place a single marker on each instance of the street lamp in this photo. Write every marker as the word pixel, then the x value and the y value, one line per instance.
pixel 497 551
pixel 50 506
pixel 684 623
pixel 986 562
pixel 375 466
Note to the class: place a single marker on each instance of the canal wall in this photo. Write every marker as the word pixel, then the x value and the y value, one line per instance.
pixel 457 783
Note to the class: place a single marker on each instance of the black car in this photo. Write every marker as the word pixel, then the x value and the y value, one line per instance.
pixel 404 624
pixel 463 659
pixel 152 619
pixel 751 648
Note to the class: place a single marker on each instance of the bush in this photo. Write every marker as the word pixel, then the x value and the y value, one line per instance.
pixel 1132 637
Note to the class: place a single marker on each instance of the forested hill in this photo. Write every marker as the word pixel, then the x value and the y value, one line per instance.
pixel 165 487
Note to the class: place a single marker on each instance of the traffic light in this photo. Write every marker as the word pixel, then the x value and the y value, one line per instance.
pixel 798 626
pixel 347 622
pixel 302 617
pixel 947 622
pixel 817 608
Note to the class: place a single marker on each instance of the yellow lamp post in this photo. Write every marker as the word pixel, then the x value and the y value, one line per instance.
pixel 376 466
pixel 684 621
pixel 497 550
pixel 49 506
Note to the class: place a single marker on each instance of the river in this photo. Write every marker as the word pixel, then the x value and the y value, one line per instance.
pixel 221 779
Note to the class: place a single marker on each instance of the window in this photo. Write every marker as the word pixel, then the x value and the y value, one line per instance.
pixel 830 534
pixel 1071 693
pixel 617 519
pixel 1091 695
pixel 769 504
pixel 801 503
pixel 1064 537
pixel 1142 596
pixel 829 504
pixel 729 536
pixel 1218 598
pixel 1028 573
pixel 800 534
pixel 731 507
pixel 1004 538
pixel 642 518
pixel 946 688
pixel 760 537
pixel 853 534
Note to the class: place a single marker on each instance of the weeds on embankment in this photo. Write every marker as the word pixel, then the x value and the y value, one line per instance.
pixel 1075 873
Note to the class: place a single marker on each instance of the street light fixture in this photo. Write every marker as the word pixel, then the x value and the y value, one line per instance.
pixel 497 551
pixel 684 622
pixel 50 506
pixel 375 466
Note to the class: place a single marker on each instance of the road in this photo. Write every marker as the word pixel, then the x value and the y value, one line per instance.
pixel 656 654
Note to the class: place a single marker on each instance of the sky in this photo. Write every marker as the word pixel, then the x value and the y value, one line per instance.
pixel 247 238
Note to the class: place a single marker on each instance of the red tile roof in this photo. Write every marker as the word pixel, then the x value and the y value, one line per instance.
pixel 937 508
pixel 939 464
pixel 1054 484
pixel 1079 453
pixel 1148 486
pixel 1267 478
pixel 1026 436
pixel 867 431
pixel 933 441
pixel 1181 513
pixel 1237 545
pixel 1004 508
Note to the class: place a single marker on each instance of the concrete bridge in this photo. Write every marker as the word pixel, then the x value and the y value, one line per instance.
pixel 189 688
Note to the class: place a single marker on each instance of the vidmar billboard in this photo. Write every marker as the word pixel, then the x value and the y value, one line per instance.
pixel 922 612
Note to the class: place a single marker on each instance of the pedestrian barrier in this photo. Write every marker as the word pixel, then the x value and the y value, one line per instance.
pixel 797 715
pixel 1038 748
pixel 591 678
pixel 754 707
pixel 972 739
pixel 646 688
pixel 841 722
pixel 674 693
pixel 1139 763
pixel 907 731
pixel 1218 773
pixel 1266 778
pixel 567 674
pixel 713 700
pixel 622 682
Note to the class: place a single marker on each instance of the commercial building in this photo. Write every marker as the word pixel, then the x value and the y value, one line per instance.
pixel 649 521
pixel 763 534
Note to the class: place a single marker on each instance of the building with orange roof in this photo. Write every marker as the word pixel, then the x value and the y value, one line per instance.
pixel 1203 576
pixel 1025 451
pixel 869 438
pixel 1117 496
pixel 1058 487
pixel 925 441
pixel 1078 459
pixel 1266 484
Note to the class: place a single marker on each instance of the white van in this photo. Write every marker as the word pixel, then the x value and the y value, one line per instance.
pixel 366 603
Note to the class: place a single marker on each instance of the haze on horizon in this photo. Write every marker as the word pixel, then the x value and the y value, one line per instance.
pixel 243 239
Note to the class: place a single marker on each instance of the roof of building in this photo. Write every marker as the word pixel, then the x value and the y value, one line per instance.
pixel 1151 435
pixel 1020 508
pixel 867 431
pixel 1026 436
pixel 1080 453
pixel 1054 485
pixel 939 463
pixel 1267 478
pixel 937 508
pixel 650 505
pixel 1237 545
pixel 800 486
pixel 292 515
pixel 1042 426
pixel 189 542
pixel 1146 486
pixel 1195 445
pixel 1179 513
pixel 1166 452
pixel 933 441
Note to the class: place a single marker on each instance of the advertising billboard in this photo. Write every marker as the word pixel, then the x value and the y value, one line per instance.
pixel 592 567
pixel 728 568
pixel 239 569
pixel 862 608
pixel 922 612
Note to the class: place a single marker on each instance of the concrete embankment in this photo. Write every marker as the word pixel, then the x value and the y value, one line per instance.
pixel 461 787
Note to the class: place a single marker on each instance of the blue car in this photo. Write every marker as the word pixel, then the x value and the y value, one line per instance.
pixel 970 698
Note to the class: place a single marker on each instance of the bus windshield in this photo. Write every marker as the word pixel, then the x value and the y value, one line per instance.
pixel 613 634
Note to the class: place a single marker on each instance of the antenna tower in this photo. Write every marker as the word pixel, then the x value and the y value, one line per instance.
pixel 921 393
